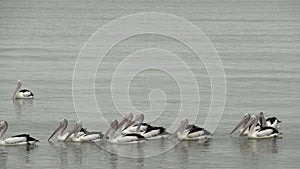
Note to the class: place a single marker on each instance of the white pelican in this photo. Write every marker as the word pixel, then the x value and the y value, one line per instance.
pixel 22 93
pixel 75 136
pixel 144 129
pixel 63 124
pixel 126 120
pixel 264 132
pixel 136 125
pixel 241 125
pixel 122 139
pixel 190 132
pixel 133 128
pixel 21 139
pixel 271 121
pixel 153 132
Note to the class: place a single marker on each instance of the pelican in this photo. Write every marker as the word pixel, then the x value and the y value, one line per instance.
pixel 122 139
pixel 75 135
pixel 126 120
pixel 271 121
pixel 153 132
pixel 63 124
pixel 133 127
pixel 23 93
pixel 149 131
pixel 241 125
pixel 264 132
pixel 21 139
pixel 190 132
pixel 144 129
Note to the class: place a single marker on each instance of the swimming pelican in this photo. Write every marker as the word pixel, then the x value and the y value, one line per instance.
pixel 135 126
pixel 271 121
pixel 75 135
pixel 241 125
pixel 21 139
pixel 264 132
pixel 63 124
pixel 122 139
pixel 126 120
pixel 153 132
pixel 23 93
pixel 145 129
pixel 190 132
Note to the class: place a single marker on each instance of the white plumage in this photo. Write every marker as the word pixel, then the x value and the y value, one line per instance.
pixel 270 121
pixel 188 132
pixel 264 132
pixel 62 126
pixel 22 93
pixel 122 139
pixel 75 134
pixel 146 130
pixel 21 139
pixel 244 129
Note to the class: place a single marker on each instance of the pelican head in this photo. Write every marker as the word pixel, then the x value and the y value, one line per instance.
pixel 3 124
pixel 112 127
pixel 62 125
pixel 252 122
pixel 128 117
pixel 3 128
pixel 180 129
pixel 262 119
pixel 76 128
pixel 18 87
pixel 243 122
pixel 138 118
pixel 19 82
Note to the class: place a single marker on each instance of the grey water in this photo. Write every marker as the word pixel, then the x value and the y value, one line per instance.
pixel 258 44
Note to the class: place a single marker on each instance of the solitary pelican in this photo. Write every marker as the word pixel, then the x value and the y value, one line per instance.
pixel 264 132
pixel 75 135
pixel 63 124
pixel 122 139
pixel 23 93
pixel 21 139
pixel 190 132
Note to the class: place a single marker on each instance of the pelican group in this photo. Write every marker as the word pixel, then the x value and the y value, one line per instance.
pixel 119 138
pixel 256 126
pixel 262 132
pixel 135 130
pixel 62 126
pixel 75 134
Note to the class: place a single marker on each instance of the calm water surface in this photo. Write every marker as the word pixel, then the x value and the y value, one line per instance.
pixel 258 43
